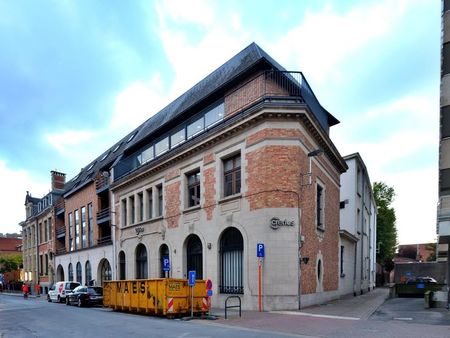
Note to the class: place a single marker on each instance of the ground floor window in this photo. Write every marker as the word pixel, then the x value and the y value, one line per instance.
pixel 70 272
pixel 88 273
pixel 194 255
pixel 231 261
pixel 106 271
pixel 79 279
pixel 122 275
pixel 141 262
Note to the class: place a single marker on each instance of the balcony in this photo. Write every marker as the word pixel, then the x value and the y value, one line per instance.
pixel 103 216
pixel 60 251
pixel 60 232
pixel 106 240
pixel 101 183
pixel 60 207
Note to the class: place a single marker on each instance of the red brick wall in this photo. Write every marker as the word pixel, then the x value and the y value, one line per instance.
pixel 172 193
pixel 209 181
pixel 77 200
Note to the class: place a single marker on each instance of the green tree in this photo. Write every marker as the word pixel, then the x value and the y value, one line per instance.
pixel 386 229
pixel 10 263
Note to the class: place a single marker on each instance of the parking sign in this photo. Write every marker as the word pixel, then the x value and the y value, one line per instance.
pixel 166 263
pixel 260 250
pixel 192 277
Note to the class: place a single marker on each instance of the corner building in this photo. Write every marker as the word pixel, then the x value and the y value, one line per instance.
pixel 225 167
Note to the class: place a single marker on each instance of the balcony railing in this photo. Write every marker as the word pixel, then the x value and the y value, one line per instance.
pixel 60 251
pixel 59 206
pixel 103 216
pixel 60 232
pixel 101 183
pixel 106 240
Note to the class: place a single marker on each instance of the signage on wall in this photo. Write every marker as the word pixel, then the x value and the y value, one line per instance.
pixel 275 223
pixel 260 250
pixel 166 263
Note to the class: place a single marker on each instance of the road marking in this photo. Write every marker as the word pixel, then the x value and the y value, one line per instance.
pixel 314 315
pixel 405 318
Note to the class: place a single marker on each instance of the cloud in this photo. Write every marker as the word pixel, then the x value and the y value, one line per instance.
pixel 68 141
pixel 197 12
pixel 14 186
pixel 325 38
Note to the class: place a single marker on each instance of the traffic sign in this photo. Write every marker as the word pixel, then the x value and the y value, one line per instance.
pixel 260 250
pixel 166 263
pixel 208 284
pixel 192 277
pixel 209 293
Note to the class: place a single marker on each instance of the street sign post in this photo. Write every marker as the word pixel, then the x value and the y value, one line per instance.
pixel 260 253
pixel 191 283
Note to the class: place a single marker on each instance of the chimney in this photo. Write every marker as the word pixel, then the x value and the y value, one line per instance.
pixel 58 180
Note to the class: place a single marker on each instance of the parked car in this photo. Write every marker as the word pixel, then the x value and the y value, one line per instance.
pixel 422 280
pixel 85 295
pixel 59 290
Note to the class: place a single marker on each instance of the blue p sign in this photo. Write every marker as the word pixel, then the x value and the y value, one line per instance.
pixel 260 250
pixel 192 277
pixel 166 263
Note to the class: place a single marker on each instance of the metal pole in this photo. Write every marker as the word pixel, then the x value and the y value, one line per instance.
pixel 192 302
pixel 259 286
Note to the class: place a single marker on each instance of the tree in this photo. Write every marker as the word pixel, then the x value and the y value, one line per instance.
pixel 386 229
pixel 10 262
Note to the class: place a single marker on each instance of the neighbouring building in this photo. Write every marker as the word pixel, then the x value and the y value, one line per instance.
pixel 420 252
pixel 443 209
pixel 38 235
pixel 10 245
pixel 358 225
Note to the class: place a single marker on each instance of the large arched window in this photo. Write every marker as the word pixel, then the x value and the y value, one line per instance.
pixel 163 254
pixel 194 256
pixel 231 261
pixel 70 272
pixel 88 273
pixel 141 262
pixel 79 278
pixel 122 266
pixel 105 270
pixel 59 273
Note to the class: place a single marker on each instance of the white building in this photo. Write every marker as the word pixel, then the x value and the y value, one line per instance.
pixel 358 224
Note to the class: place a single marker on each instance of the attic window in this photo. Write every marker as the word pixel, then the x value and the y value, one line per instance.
pixel 90 167
pixel 104 156
pixel 116 147
pixel 131 137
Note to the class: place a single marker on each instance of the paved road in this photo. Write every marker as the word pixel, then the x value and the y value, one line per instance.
pixel 37 318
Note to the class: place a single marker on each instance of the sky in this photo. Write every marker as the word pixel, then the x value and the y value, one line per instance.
pixel 76 76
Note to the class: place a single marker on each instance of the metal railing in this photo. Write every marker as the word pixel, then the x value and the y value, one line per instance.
pixel 60 231
pixel 101 182
pixel 61 251
pixel 103 214
pixel 104 240
pixel 233 306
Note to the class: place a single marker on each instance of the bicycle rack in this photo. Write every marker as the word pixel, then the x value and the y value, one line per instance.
pixel 232 306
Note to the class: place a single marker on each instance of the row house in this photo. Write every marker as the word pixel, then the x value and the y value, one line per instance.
pixel 358 224
pixel 38 235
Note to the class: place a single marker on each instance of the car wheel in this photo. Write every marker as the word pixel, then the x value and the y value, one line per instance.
pixel 67 301
pixel 59 299
pixel 48 299
pixel 80 304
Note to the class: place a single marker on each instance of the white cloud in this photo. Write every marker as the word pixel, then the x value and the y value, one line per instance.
pixel 197 12
pixel 69 140
pixel 138 102
pixel 14 186
pixel 326 37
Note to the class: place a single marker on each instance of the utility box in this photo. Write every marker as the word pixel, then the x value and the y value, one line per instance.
pixel 163 296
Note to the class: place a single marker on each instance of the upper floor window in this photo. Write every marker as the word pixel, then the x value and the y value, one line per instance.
pixel 320 204
pixel 177 137
pixel 159 191
pixel 124 212
pixel 232 175
pixel 193 181
pixel 162 146
pixel 195 127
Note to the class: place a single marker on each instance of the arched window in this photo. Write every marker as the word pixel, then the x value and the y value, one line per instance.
pixel 194 255
pixel 70 272
pixel 231 261
pixel 105 271
pixel 163 254
pixel 319 271
pixel 59 273
pixel 88 273
pixel 79 278
pixel 122 274
pixel 141 262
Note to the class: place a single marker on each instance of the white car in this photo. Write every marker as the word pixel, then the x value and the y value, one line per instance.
pixel 59 290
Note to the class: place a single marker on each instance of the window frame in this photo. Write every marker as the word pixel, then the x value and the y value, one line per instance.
pixel 235 173
pixel 193 189
pixel 320 206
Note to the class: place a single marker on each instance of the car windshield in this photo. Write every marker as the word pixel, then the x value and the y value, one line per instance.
pixel 77 289
pixel 95 290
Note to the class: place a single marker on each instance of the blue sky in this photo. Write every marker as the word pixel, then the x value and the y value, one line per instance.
pixel 79 75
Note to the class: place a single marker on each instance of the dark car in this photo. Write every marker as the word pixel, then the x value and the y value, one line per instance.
pixel 421 280
pixel 85 295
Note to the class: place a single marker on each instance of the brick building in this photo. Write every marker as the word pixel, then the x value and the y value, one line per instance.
pixel 243 157
pixel 10 245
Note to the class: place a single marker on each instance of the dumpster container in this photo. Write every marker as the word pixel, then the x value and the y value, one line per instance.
pixel 163 296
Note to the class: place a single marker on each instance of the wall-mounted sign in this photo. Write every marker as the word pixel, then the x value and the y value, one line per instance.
pixel 275 223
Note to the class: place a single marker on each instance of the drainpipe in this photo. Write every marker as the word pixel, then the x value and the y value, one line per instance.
pixel 113 230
